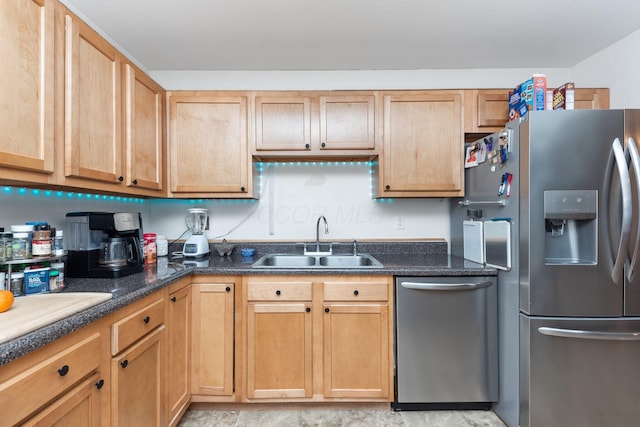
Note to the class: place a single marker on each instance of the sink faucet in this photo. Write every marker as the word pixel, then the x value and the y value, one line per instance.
pixel 326 231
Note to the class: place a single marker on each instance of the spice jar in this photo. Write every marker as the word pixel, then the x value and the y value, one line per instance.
pixel 41 243
pixel 58 249
pixel 162 245
pixel 17 283
pixel 20 246
pixel 28 229
pixel 6 246
pixel 58 285
pixel 150 250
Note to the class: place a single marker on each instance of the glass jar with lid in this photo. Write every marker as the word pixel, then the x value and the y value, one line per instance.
pixel 20 246
pixel 6 246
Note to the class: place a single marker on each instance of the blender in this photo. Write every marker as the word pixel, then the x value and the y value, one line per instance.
pixel 197 245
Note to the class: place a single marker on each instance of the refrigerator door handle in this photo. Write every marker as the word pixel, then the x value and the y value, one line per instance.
pixel 617 158
pixel 445 286
pixel 632 149
pixel 589 335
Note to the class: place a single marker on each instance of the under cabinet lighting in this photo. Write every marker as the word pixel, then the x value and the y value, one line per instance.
pixel 39 193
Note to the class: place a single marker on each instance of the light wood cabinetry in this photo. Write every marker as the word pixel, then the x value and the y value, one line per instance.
pixel 279 339
pixel 591 99
pixel 26 104
pixel 137 347
pixel 212 350
pixel 144 126
pixel 422 145
pixel 315 124
pixel 61 381
pixel 208 145
pixel 178 366
pixel 357 339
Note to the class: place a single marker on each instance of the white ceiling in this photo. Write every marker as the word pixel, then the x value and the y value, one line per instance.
pixel 360 34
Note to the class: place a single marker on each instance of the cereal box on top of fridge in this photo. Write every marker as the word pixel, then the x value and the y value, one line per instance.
pixel 563 97
pixel 532 93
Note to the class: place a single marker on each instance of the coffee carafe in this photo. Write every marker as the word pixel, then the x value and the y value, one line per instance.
pixel 104 244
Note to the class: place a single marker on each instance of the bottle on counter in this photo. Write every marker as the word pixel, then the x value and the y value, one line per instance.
pixel 162 245
pixel 150 250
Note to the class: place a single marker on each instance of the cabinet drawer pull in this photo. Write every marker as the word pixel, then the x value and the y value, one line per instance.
pixel 278 292
pixel 135 182
pixel 306 146
pixel 146 319
pixel 326 310
pixel 324 145
pixel 173 299
pixel 124 363
pixel 121 178
pixel 100 384
pixel 243 189
pixel 64 370
pixel 228 289
pixel 387 187
pixel 356 292
pixel 308 309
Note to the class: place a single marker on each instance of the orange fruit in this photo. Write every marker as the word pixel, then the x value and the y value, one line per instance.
pixel 6 300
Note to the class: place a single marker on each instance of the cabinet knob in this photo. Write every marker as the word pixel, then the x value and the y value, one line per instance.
pixel 228 289
pixel 146 319
pixel 308 309
pixel 124 363
pixel 64 370
pixel 100 384
pixel 135 182
pixel 278 292
pixel 323 145
pixel 121 178
pixel 356 292
pixel 387 187
pixel 243 189
pixel 306 146
pixel 173 299
pixel 326 310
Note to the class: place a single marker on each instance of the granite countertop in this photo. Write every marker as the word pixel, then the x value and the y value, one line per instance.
pixel 398 259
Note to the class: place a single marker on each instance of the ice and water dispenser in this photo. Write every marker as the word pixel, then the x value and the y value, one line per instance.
pixel 571 227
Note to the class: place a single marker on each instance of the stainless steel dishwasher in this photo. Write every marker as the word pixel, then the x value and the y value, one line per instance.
pixel 446 343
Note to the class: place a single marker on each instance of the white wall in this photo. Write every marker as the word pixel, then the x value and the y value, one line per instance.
pixel 615 67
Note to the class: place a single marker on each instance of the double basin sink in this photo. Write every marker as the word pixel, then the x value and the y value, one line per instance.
pixel 317 261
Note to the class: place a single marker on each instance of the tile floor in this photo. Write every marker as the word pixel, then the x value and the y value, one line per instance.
pixel 202 415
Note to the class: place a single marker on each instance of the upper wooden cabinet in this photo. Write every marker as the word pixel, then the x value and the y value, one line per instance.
pixel 92 137
pixel 422 145
pixel 315 124
pixel 487 110
pixel 26 104
pixel 144 130
pixel 208 145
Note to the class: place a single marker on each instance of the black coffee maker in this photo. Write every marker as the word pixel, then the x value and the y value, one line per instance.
pixel 104 244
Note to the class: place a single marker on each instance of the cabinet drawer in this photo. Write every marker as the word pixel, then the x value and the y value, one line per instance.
pixel 32 388
pixel 279 291
pixel 128 330
pixel 350 291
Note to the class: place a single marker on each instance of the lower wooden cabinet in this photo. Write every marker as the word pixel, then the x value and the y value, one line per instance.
pixel 178 366
pixel 212 350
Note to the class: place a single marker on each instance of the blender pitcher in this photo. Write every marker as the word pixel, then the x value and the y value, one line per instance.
pixel 196 245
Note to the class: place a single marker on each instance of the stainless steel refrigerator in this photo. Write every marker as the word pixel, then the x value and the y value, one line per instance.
pixel 566 183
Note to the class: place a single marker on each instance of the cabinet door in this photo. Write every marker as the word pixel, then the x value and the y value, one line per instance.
pixel 356 350
pixel 136 377
pixel 212 350
pixel 485 110
pixel 279 350
pixel 208 144
pixel 178 384
pixel 347 122
pixel 591 99
pixel 283 123
pixel 423 145
pixel 92 105
pixel 78 407
pixel 144 130
pixel 26 104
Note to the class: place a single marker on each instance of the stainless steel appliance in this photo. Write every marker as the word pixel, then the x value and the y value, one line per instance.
pixel 446 342
pixel 103 244
pixel 197 244
pixel 567 182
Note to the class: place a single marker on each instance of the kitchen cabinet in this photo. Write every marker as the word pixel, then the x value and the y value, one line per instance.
pixel 178 355
pixel 92 107
pixel 357 339
pixel 422 145
pixel 591 99
pixel 315 124
pixel 212 350
pixel 51 383
pixel 208 145
pixel 144 126
pixel 137 377
pixel 279 339
pixel 26 105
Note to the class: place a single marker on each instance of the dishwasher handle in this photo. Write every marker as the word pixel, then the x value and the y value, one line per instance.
pixel 421 286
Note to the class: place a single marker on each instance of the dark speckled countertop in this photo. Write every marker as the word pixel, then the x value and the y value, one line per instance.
pixel 398 259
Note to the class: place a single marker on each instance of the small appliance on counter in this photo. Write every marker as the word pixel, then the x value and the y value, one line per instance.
pixel 197 244
pixel 104 244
